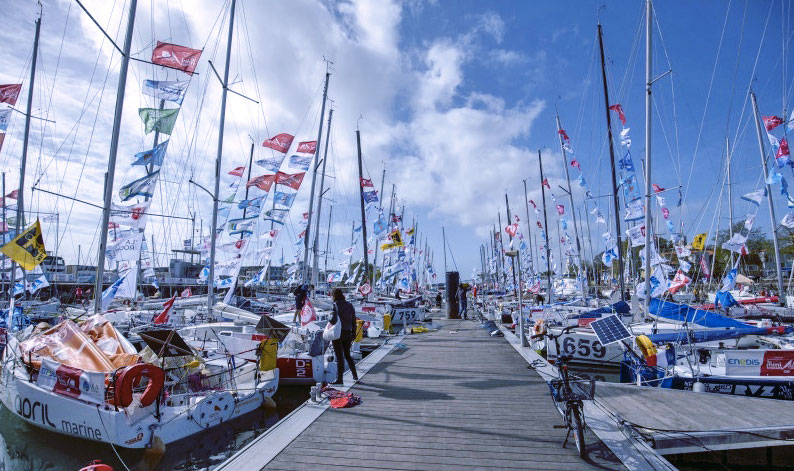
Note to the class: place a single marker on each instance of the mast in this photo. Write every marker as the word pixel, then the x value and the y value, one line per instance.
pixel 114 147
pixel 546 228
pixel 314 181
pixel 328 238
pixel 363 212
pixel 616 198
pixel 218 158
pixel 648 116
pixel 315 249
pixel 573 210
pixel 529 230
pixel 380 212
pixel 772 217
pixel 512 259
pixel 444 240
pixel 730 191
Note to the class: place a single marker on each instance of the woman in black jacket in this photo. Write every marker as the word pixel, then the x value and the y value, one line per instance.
pixel 345 313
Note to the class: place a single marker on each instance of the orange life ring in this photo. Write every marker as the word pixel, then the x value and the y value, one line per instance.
pixel 131 375
pixel 97 465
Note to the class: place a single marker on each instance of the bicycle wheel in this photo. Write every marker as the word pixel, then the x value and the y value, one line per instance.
pixel 578 430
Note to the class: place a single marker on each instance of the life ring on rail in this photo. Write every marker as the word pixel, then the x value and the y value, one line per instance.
pixel 539 328
pixel 130 376
pixel 645 345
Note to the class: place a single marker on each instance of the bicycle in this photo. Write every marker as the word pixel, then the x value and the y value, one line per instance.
pixel 568 391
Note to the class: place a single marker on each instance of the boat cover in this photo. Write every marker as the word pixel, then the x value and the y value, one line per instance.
pixel 684 313
pixel 696 336
pixel 620 307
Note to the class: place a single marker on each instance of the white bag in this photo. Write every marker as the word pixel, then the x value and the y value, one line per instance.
pixel 333 331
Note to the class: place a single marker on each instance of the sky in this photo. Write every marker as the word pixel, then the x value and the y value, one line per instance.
pixel 452 98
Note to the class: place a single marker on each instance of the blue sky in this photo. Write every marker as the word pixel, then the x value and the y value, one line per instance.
pixel 454 97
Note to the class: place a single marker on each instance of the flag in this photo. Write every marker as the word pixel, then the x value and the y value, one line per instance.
pixel 186 293
pixel 657 188
pixel 308 313
pixel 307 147
pixel 560 209
pixel 276 215
pixel 735 244
pixel 626 163
pixel 176 57
pixel 370 197
pixel 252 203
pixel 162 318
pixel 379 226
pixel 782 154
pixel 279 142
pixel 5 116
pixel 771 122
pixel 511 230
pixel 575 164
pixel 663 358
pixel 13 195
pixel 366 183
pixel 143 186
pixel 153 156
pixel 680 280
pixel 729 281
pixel 365 289
pixel 300 162
pixel 171 90
pixel 121 287
pixel 635 210
pixel 9 93
pixel 619 109
pixel 292 180
pixel 284 199
pixel 636 235
pixel 348 251
pixel 609 256
pixel 540 226
pixel 263 182
pixel 131 216
pixel 666 213
pixel 272 164
pixel 159 120
pixel 127 248
pixel 563 134
pixel 27 249
pixel 684 265
pixel 545 183
pixel 788 221
pixel 699 241
pixel 37 284
pixel 755 197
pixel 237 172
pixel 625 139
pixel 705 268
pixel 533 204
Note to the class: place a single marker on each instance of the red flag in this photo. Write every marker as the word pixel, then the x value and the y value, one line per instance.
pixel 365 289
pixel 162 318
pixel 366 183
pixel 560 209
pixel 540 225
pixel 186 293
pixel 308 147
pixel 666 213
pixel 575 164
pixel 308 313
pixel 511 230
pixel 704 268
pixel 237 172
pixel 176 57
pixel 619 110
pixel 781 151
pixel 533 204
pixel 15 194
pixel 657 188
pixel 9 93
pixel 546 183
pixel 263 182
pixel 112 225
pixel 292 180
pixel 771 122
pixel 279 142
pixel 564 134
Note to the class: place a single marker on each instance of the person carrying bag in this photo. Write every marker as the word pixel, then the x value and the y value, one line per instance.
pixel 341 325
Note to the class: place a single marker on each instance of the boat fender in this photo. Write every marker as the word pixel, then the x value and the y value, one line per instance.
pixel 647 347
pixel 539 328
pixel 130 375
pixel 97 465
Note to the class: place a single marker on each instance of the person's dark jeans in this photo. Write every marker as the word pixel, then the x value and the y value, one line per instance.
pixel 342 352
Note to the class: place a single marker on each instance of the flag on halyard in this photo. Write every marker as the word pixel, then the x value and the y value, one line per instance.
pixel 307 147
pixel 237 172
pixel 292 180
pixel 279 142
pixel 153 156
pixel 771 122
pixel 176 57
pixel 141 187
pixel 5 116
pixel 300 162
pixel 27 249
pixel 171 90
pixel 271 163
pixel 158 120
pixel 162 318
pixel 699 242
pixel 619 110
pixel 9 93
pixel 263 182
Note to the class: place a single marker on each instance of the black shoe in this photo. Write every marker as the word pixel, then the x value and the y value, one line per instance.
pixel 338 382
pixel 355 378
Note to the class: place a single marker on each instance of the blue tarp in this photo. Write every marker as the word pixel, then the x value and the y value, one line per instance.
pixel 620 307
pixel 724 299
pixel 712 335
pixel 683 313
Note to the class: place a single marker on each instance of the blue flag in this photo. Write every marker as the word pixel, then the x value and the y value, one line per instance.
pixel 284 199
pixel 152 156
pixel 626 163
pixel 141 187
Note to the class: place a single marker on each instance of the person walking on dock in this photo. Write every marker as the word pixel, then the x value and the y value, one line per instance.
pixel 301 292
pixel 463 301
pixel 345 313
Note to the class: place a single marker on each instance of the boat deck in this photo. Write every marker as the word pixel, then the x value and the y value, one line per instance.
pixel 453 398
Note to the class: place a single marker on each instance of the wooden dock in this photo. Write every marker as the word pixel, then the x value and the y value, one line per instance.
pixel 453 398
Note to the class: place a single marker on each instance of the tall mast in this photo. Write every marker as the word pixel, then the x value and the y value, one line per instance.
pixel 615 196
pixel 314 181
pixel 380 211
pixel 730 191
pixel 529 230
pixel 218 158
pixel 772 217
pixel 114 147
pixel 444 240
pixel 546 229
pixel 648 115
pixel 512 259
pixel 573 210
pixel 328 239
pixel 363 212
pixel 315 250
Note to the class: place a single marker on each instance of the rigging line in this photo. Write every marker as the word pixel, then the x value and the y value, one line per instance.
pixel 102 207
pixel 708 97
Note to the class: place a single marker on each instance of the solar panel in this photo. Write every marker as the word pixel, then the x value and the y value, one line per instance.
pixel 610 330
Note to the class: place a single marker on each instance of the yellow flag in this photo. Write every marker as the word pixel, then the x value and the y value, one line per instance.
pixel 699 242
pixel 27 249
